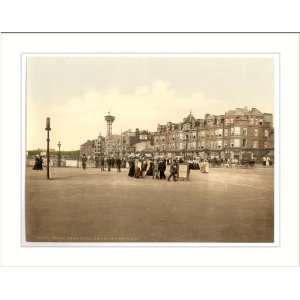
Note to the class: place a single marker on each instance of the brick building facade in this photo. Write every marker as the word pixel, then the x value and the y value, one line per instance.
pixel 237 133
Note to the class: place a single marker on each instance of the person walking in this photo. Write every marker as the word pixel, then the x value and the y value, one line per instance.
pixel 102 163
pixel 97 161
pixel 138 169
pixel 206 166
pixel 83 160
pixel 162 169
pixel 118 164
pixel 173 171
pixel 131 168
pixel 38 164
pixel 144 167
pixel 155 169
pixel 150 171
pixel 109 161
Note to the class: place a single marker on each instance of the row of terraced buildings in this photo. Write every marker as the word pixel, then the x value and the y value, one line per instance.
pixel 236 134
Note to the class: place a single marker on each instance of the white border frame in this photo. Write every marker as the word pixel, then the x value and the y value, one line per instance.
pixel 286 254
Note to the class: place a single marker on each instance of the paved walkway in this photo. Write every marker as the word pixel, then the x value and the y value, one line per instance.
pixel 226 205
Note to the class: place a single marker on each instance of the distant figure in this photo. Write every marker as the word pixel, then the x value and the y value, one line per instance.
pixel 173 171
pixel 131 168
pixel 38 163
pixel 264 161
pixel 205 166
pixel 109 161
pixel 97 162
pixel 138 169
pixel 162 168
pixel 84 160
pixel 123 164
pixel 149 171
pixel 144 167
pixel 155 169
pixel 226 163
pixel 118 164
pixel 102 163
pixel 112 162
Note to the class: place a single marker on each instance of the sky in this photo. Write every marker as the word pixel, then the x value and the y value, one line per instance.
pixel 76 92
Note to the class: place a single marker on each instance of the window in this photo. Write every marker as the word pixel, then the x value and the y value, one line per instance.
pixel 265 144
pixel 232 131
pixel 255 144
pixel 237 131
pixel 244 131
pixel 244 143
pixel 255 132
pixel 226 132
pixel 237 143
pixel 266 132
pixel 218 132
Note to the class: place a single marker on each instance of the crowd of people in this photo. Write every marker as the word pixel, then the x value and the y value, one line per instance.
pixel 267 161
pixel 156 168
pixel 138 167
pixel 105 163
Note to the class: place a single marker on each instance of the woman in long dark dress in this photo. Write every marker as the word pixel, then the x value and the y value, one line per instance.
pixel 36 163
pixel 162 168
pixel 131 168
pixel 40 163
pixel 150 169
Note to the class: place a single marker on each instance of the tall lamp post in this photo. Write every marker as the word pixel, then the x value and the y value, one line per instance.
pixel 59 154
pixel 48 144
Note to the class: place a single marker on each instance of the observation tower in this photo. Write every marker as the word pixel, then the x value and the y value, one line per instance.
pixel 109 120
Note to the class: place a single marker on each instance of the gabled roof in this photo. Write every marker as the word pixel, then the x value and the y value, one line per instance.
pixel 189 119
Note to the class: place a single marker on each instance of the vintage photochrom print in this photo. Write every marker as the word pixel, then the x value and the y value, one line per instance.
pixel 149 148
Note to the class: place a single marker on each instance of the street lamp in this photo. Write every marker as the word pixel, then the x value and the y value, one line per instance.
pixel 48 128
pixel 59 154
